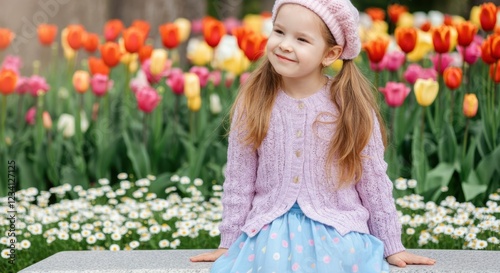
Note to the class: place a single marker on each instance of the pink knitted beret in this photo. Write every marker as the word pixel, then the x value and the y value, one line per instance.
pixel 340 16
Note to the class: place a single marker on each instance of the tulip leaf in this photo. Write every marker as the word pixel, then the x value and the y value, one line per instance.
pixel 138 156
pixel 487 166
pixel 437 178
pixel 26 178
pixel 159 185
pixel 419 159
pixel 468 161
pixel 472 187
pixel 447 144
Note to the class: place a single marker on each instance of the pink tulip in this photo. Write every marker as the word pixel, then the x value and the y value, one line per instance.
pixel 147 99
pixel 176 81
pixel 215 77
pixel 152 79
pixel 30 116
pixel 428 73
pixel 13 63
pixel 415 71
pixel 395 93
pixel 377 67
pixel 441 65
pixel 23 86
pixel 472 52
pixel 202 73
pixel 244 77
pixel 37 84
pixel 100 84
pixel 197 26
pixel 139 81
pixel 394 60
pixel 230 23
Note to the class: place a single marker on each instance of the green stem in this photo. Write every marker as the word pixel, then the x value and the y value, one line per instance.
pixel 452 106
pixel 422 120
pixel 3 118
pixel 19 111
pixel 192 125
pixel 464 149
pixel 144 129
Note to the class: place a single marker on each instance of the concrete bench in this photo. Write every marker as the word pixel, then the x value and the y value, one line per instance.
pixel 177 261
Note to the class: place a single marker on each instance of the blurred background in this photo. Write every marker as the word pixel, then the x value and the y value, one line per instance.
pixel 23 16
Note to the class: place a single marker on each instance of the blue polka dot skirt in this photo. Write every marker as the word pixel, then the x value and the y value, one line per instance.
pixel 295 243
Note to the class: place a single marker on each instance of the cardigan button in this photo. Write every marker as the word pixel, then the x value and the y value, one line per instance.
pixel 296 180
pixel 301 105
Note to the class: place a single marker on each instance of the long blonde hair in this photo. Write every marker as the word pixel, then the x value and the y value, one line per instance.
pixel 351 93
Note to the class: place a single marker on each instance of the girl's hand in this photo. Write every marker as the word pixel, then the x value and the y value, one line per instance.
pixel 209 257
pixel 401 259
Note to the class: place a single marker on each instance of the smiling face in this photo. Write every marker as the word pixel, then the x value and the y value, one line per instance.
pixel 296 47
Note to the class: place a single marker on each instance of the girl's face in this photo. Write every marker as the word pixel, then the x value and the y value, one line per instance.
pixel 296 47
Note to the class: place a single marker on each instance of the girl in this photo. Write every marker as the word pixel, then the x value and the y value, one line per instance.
pixel 306 188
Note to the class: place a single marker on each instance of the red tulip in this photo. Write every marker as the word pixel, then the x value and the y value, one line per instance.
pixel 395 10
pixel 495 46
pixel 495 74
pixel 133 39
pixel 452 77
pixel 46 33
pixel 213 30
pixel 377 14
pixel 406 38
pixel 110 53
pixel 8 81
pixel 466 32
pixel 488 16
pixel 376 49
pixel 145 52
pixel 90 42
pixel 75 35
pixel 97 66
pixel 112 29
pixel 441 38
pixel 143 25
pixel 486 51
pixel 170 36
pixel 6 36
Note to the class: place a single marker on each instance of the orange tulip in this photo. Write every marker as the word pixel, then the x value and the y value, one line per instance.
pixel 470 105
pixel 452 77
pixel 488 16
pixel 395 10
pixel 426 26
pixel 495 72
pixel 240 33
pixel 97 66
pixel 145 52
pixel 377 14
pixel 74 38
pixel 110 54
pixel 112 29
pixel 448 20
pixel 213 30
pixel 8 81
pixel 495 46
pixel 81 81
pixel 486 51
pixel 133 39
pixel 466 32
pixel 170 35
pixel 376 49
pixel 406 37
pixel 90 42
pixel 253 46
pixel 46 33
pixel 144 26
pixel 441 38
pixel 6 36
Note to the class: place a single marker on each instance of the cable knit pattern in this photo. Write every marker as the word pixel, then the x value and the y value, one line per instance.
pixel 289 166
pixel 341 17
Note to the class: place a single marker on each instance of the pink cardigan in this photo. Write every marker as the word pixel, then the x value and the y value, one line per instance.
pixel 289 166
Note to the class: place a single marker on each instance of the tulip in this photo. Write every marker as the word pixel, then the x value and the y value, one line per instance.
pixel 474 15
pixel 253 45
pixel 46 120
pixel 145 52
pixel 158 61
pixel 240 33
pixel 470 105
pixel 495 71
pixel 81 81
pixel 405 20
pixel 194 103
pixel 254 22
pixel 441 62
pixel 97 66
pixel 6 36
pixel 30 116
pixel 376 49
pixel 23 86
pixel 488 16
pixel 441 39
pixel 213 31
pixel 147 99
pixel 202 73
pixel 199 52
pixel 143 26
pixel 100 84
pixel 229 57
pixel 394 60
pixel 337 65
pixel 69 53
pixel 46 33
pixel 395 93
pixel 110 54
pixel 112 29
pixel 215 77
pixel 215 105
pixel 151 78
pixel 191 85
pixel 466 33
pixel 426 91
pixel 133 39
pixel 244 77
pixel 139 82
pixel 376 14
pixel 231 24
pixel 452 77
pixel 184 26
pixel 494 40
pixel 37 84
pixel 406 37
pixel 395 10
pixel 176 81
pixel 8 81
pixel 66 124
pixel 436 17
pixel 170 35
pixel 75 35
pixel 90 42
pixel 13 63
pixel 197 26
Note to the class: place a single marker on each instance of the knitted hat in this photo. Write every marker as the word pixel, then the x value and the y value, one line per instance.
pixel 340 16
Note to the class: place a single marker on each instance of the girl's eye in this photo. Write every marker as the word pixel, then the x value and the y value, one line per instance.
pixel 278 31
pixel 302 40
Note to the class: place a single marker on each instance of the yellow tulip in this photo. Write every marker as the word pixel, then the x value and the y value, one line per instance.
pixel 199 52
pixel 405 20
pixel 474 16
pixel 422 48
pixel 254 22
pixel 453 38
pixel 456 19
pixel 337 65
pixel 69 53
pixel 81 81
pixel 133 66
pixel 470 105
pixel 194 103
pixel 426 91
pixel 158 61
pixel 184 26
pixel 236 64
pixel 191 85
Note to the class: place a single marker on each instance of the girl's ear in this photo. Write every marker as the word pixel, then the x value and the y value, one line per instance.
pixel 332 55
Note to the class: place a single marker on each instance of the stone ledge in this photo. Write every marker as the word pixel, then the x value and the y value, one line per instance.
pixel 177 261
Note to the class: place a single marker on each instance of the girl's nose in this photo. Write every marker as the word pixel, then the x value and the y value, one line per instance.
pixel 284 46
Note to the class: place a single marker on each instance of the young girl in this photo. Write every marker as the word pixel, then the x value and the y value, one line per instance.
pixel 306 188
